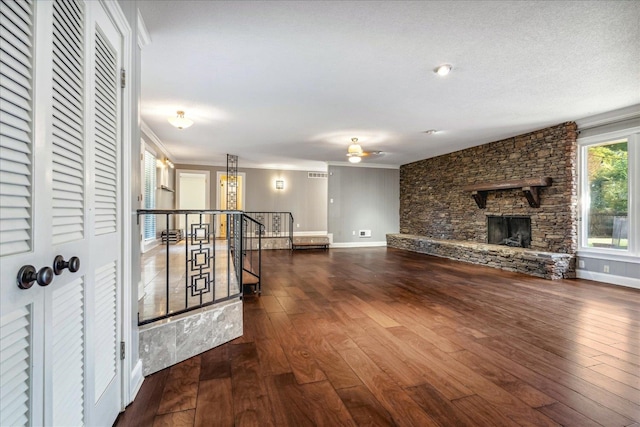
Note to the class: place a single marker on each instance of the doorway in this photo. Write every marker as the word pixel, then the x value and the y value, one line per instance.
pixel 221 199
pixel 193 190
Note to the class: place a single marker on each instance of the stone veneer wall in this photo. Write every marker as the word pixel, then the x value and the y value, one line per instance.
pixel 434 204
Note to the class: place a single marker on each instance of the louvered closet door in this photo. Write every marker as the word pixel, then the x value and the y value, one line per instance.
pixel 105 223
pixel 59 195
pixel 21 311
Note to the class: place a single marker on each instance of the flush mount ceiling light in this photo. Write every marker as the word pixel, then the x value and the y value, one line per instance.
pixel 180 121
pixel 443 70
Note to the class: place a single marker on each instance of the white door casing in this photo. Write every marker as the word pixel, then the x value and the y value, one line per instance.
pixel 61 152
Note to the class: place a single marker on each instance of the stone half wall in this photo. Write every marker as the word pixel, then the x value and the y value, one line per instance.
pixel 434 204
pixel 167 342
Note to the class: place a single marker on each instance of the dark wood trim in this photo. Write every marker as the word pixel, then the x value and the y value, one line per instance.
pixel 530 187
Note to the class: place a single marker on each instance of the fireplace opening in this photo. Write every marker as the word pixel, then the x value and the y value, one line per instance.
pixel 509 230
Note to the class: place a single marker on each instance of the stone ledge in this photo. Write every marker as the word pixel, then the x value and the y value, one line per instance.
pixel 547 265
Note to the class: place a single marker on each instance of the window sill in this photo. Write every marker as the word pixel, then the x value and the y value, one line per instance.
pixel 622 256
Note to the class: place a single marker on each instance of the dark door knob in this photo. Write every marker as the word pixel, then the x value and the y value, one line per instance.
pixel 27 275
pixel 59 264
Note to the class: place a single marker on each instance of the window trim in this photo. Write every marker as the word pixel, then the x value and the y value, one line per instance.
pixel 632 253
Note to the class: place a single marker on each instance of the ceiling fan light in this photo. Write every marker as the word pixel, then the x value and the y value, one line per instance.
pixel 354 159
pixel 354 148
pixel 180 121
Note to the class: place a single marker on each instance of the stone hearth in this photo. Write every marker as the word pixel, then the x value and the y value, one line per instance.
pixel 547 265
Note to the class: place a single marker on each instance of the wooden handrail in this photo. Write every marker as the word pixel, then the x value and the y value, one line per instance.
pixel 529 186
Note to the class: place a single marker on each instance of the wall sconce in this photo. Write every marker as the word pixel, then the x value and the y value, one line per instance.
pixel 169 163
pixel 279 184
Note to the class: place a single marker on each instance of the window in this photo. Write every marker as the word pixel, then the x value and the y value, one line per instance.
pixel 609 193
pixel 150 185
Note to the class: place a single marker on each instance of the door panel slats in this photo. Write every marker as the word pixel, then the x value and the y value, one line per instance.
pixel 105 154
pixel 106 334
pixel 68 353
pixel 68 117
pixel 15 360
pixel 16 24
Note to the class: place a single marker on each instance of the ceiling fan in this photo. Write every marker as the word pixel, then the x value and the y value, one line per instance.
pixel 355 153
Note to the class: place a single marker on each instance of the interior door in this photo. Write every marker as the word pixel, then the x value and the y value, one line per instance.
pixel 193 193
pixel 59 195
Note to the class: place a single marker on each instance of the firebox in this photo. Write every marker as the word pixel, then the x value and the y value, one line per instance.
pixel 509 230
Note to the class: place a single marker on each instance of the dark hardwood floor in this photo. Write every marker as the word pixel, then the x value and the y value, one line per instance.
pixel 386 337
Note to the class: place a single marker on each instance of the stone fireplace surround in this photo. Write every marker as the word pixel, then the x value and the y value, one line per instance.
pixel 439 217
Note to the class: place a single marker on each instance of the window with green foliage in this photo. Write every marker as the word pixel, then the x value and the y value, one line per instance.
pixel 608 195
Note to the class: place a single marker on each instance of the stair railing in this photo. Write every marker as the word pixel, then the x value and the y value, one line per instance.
pixel 192 267
pixel 277 225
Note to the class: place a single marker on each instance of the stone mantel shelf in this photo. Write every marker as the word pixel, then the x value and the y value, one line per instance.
pixel 530 187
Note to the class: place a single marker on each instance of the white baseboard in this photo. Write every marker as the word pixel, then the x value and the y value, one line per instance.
pixel 141 291
pixel 363 244
pixel 136 380
pixel 630 282
pixel 150 244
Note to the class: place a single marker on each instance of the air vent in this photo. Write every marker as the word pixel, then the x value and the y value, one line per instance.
pixel 316 175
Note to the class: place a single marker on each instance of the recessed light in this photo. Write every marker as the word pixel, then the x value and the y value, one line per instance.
pixel 430 131
pixel 443 70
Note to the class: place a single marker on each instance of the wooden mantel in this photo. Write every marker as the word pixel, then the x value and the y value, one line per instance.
pixel 530 187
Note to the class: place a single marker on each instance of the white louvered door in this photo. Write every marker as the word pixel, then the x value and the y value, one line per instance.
pixel 21 311
pixel 60 195
pixel 104 234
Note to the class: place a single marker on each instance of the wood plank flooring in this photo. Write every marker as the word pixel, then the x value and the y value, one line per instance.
pixel 385 337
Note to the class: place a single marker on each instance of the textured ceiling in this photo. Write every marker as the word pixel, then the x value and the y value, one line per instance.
pixel 286 85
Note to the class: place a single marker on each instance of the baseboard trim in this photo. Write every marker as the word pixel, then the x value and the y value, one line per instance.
pixel 358 244
pixel 630 282
pixel 136 380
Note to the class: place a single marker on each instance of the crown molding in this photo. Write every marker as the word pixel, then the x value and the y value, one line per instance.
pixel 365 165
pixel 619 115
pixel 144 38
pixel 145 129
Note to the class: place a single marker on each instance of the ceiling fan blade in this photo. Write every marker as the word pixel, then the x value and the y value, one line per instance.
pixel 371 153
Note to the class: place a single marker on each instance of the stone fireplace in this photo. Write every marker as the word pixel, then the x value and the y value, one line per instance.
pixel 514 231
pixel 524 185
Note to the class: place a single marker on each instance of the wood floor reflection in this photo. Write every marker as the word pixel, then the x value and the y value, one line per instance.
pixel 387 337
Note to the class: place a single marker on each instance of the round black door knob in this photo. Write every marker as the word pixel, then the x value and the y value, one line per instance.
pixel 59 264
pixel 27 275
pixel 44 277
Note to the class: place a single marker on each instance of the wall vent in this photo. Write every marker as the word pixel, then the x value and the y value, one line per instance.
pixel 317 174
